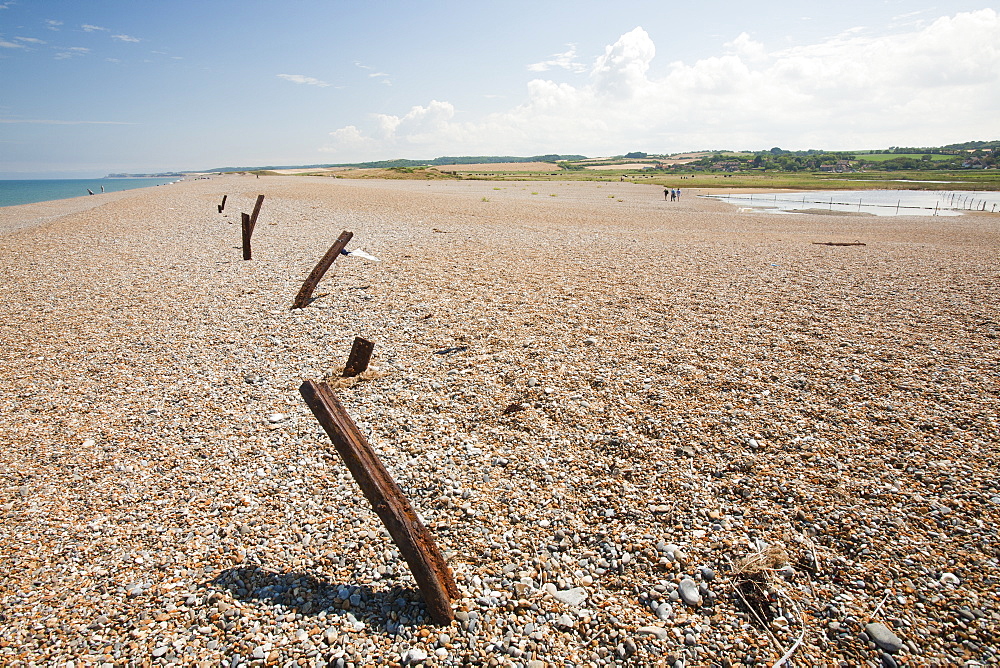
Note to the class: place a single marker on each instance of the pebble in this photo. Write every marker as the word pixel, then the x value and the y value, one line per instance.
pixel 881 635
pixel 656 631
pixel 575 597
pixel 413 657
pixel 689 593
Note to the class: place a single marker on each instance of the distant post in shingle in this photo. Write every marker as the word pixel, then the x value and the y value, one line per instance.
pixel 305 292
pixel 256 212
pixel 247 233
pixel 415 543
pixel 361 354
pixel 222 207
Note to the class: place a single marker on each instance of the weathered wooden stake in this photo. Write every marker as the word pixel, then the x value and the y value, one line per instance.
pixel 305 292
pixel 247 233
pixel 222 207
pixel 256 212
pixel 415 543
pixel 361 354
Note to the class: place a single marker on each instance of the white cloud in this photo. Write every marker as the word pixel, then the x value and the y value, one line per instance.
pixel 4 44
pixel 936 83
pixel 566 60
pixel 126 38
pixel 52 24
pixel 29 40
pixel 91 28
pixel 300 79
pixel 72 52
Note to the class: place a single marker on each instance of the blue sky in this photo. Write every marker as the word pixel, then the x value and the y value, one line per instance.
pixel 88 88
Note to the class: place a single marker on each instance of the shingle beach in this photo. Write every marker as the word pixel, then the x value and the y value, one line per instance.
pixel 642 432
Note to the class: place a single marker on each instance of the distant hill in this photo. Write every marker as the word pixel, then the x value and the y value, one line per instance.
pixel 402 162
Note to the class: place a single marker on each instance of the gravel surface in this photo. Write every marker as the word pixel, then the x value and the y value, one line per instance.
pixel 642 432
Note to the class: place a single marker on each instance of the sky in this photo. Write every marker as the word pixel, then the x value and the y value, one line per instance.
pixel 106 86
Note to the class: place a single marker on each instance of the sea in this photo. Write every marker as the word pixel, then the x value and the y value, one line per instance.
pixel 29 191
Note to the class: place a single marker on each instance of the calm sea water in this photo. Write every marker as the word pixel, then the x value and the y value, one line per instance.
pixel 28 191
pixel 878 202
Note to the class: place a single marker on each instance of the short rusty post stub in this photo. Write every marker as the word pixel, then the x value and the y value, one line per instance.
pixel 361 355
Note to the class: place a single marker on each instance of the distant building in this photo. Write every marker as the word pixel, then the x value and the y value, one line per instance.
pixel 727 166
pixel 839 167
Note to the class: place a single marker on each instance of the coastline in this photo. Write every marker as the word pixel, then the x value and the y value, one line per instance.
pixel 693 385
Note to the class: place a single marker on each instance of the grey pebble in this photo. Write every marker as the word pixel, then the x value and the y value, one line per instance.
pixel 689 592
pixel 883 637
pixel 657 631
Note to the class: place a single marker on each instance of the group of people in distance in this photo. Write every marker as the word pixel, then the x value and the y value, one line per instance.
pixel 674 194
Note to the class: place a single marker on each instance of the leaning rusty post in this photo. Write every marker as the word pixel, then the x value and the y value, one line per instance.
pixel 305 292
pixel 256 212
pixel 247 233
pixel 415 543
pixel 222 207
pixel 361 354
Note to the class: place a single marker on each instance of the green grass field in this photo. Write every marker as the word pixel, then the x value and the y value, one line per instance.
pixel 904 180
pixel 882 157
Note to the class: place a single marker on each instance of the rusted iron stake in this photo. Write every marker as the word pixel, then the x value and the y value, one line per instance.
pixel 305 292
pixel 247 233
pixel 222 207
pixel 361 354
pixel 256 212
pixel 415 543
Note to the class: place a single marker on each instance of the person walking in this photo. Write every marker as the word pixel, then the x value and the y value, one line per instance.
pixel 666 192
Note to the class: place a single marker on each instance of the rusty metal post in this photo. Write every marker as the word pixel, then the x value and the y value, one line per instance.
pixel 256 212
pixel 361 354
pixel 305 292
pixel 415 543
pixel 247 233
pixel 222 207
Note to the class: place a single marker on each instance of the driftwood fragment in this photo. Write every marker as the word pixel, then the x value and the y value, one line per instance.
pixel 838 243
pixel 305 292
pixel 222 207
pixel 415 543
pixel 361 355
pixel 247 233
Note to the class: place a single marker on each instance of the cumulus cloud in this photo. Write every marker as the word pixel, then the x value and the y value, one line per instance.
pixel 937 82
pixel 126 38
pixel 52 24
pixel 300 79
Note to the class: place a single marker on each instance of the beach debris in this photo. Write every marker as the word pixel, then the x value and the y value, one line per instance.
pixel 222 207
pixel 305 292
pixel 414 541
pixel 453 349
pixel 361 354
pixel 839 243
pixel 357 252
